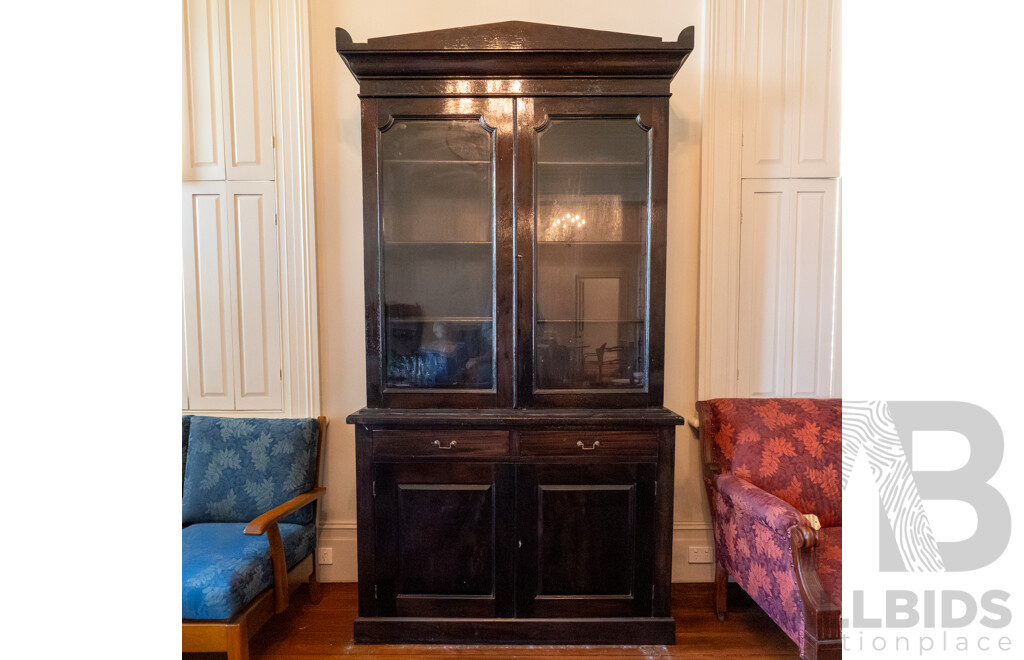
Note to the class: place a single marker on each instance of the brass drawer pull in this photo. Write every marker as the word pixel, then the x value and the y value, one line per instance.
pixel 597 443
pixel 451 445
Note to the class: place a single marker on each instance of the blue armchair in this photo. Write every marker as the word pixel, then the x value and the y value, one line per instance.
pixel 249 494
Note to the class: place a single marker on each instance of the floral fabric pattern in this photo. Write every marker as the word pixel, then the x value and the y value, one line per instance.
pixel 752 544
pixel 792 448
pixel 779 459
pixel 237 469
pixel 222 569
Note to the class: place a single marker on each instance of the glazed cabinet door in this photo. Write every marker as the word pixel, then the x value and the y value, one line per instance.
pixel 591 194
pixel 438 214
pixel 586 531
pixel 444 546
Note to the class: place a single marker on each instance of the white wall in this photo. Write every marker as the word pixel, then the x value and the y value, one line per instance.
pixel 339 230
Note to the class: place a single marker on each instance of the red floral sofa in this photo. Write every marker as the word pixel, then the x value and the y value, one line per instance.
pixel 767 463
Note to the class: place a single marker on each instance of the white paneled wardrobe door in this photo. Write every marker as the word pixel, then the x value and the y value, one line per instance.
pixel 232 295
pixel 766 278
pixel 206 240
pixel 791 90
pixel 257 304
pixel 248 91
pixel 787 287
pixel 202 146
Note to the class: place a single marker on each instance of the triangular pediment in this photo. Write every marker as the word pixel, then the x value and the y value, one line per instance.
pixel 514 35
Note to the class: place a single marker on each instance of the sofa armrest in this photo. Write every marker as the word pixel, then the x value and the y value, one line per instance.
pixel 771 511
pixel 260 524
pixel 822 617
pixel 267 524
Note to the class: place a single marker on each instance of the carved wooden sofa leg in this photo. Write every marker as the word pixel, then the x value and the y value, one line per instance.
pixel 721 586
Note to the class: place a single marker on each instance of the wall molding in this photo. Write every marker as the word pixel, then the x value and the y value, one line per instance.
pixel 293 129
pixel 721 161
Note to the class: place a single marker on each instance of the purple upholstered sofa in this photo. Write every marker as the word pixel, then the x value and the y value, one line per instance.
pixel 767 464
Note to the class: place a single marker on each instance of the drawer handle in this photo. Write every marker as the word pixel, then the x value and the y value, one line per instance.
pixel 597 443
pixel 451 445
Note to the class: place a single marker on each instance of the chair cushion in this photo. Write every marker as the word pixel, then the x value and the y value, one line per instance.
pixel 238 469
pixel 222 569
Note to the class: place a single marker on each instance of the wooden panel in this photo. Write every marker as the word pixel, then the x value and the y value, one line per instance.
pixel 791 88
pixel 816 69
pixel 257 305
pixel 248 93
pixel 787 287
pixel 202 154
pixel 585 532
pixel 206 233
pixel 440 443
pixel 765 299
pixel 595 443
pixel 766 80
pixel 814 207
pixel 443 545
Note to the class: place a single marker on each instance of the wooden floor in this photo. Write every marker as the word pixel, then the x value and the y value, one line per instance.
pixel 308 632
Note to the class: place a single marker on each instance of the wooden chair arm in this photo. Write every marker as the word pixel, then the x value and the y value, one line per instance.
pixel 821 616
pixel 267 524
pixel 260 524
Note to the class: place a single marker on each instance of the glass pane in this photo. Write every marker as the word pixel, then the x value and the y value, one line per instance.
pixel 591 252
pixel 437 209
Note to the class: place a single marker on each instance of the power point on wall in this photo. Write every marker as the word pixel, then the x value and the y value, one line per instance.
pixel 700 554
pixel 325 555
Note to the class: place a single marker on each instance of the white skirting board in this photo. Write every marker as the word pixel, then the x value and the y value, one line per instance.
pixel 341 538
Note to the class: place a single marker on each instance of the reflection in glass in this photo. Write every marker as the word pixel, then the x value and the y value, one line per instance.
pixel 591 252
pixel 437 209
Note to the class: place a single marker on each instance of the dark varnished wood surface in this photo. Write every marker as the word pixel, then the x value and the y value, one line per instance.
pixel 514 49
pixel 313 632
pixel 516 418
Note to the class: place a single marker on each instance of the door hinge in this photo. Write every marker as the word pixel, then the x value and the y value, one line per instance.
pixel 655 488
pixel 280 374
pixel 652 595
pixel 375 592
pixel 273 142
pixel 275 219
pixel 375 493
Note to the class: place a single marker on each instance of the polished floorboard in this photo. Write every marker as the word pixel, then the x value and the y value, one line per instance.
pixel 308 632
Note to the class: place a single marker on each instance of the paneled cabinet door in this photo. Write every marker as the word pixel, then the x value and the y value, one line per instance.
pixel 227 95
pixel 787 283
pixel 791 88
pixel 443 545
pixel 231 296
pixel 439 245
pixel 591 192
pixel 586 531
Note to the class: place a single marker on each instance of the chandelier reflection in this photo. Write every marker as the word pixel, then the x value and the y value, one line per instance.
pixel 569 222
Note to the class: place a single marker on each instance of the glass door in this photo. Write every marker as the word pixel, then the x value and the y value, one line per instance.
pixel 440 202
pixel 586 216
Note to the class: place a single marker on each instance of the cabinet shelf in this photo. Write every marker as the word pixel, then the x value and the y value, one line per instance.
pixel 441 319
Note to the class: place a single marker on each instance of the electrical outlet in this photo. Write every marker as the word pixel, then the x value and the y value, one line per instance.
pixel 700 554
pixel 325 555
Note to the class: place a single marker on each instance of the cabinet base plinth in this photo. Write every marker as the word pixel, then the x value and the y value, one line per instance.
pixel 405 630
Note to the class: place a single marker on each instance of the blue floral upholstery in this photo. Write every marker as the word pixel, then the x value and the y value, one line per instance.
pixel 222 570
pixel 238 469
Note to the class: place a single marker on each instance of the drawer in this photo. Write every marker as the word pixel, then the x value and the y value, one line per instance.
pixel 589 443
pixel 440 444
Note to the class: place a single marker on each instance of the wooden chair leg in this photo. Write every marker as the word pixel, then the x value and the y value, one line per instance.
pixel 721 585
pixel 237 641
pixel 315 593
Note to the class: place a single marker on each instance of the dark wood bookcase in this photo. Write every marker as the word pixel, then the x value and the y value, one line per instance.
pixel 514 460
